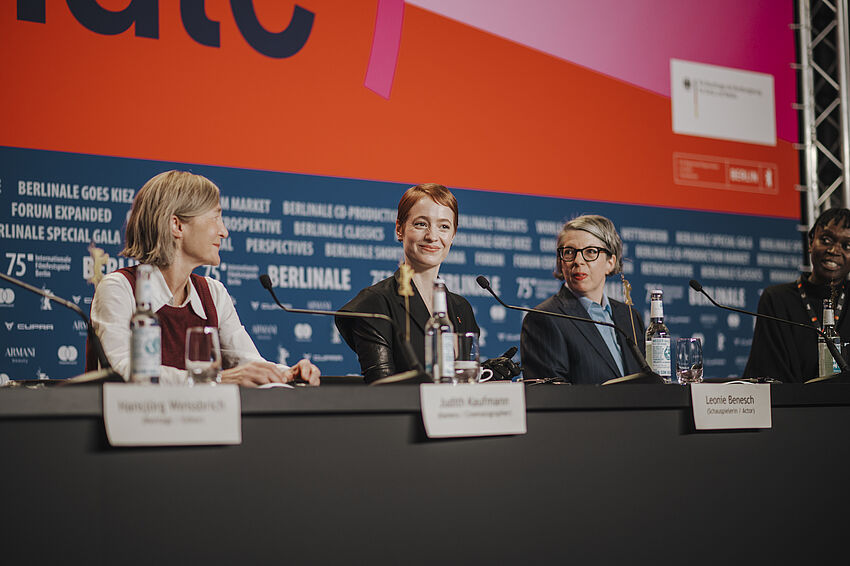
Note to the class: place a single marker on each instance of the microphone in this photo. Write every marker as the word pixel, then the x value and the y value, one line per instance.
pixel 839 359
pixel 416 371
pixel 510 353
pixel 645 374
pixel 106 373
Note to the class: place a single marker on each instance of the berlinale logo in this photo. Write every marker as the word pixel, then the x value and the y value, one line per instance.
pixel 282 355
pixel 145 15
pixel 45 302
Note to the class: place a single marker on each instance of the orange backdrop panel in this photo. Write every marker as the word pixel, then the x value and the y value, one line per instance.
pixel 467 109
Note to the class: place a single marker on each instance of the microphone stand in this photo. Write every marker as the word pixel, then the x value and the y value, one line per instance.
pixel 416 372
pixel 839 359
pixel 106 373
pixel 646 375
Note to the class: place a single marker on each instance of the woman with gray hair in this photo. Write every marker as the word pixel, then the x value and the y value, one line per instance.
pixel 176 226
pixel 589 249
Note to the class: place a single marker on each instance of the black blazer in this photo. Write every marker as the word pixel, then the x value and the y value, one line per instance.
pixel 575 351
pixel 377 345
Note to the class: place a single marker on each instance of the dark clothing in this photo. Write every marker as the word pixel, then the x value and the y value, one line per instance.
pixel 173 322
pixel 376 343
pixel 783 351
pixel 575 351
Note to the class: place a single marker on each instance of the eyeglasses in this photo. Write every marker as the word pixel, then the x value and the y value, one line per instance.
pixel 590 253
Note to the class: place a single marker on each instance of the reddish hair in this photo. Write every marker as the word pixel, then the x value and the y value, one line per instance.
pixel 437 193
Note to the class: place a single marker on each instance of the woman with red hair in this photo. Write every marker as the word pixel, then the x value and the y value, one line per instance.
pixel 426 225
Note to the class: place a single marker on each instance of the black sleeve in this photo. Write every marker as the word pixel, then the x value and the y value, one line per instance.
pixel 640 330
pixel 640 342
pixel 371 340
pixel 542 348
pixel 771 351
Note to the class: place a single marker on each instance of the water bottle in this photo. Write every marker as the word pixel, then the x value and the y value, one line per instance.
pixel 826 363
pixel 145 352
pixel 439 338
pixel 658 339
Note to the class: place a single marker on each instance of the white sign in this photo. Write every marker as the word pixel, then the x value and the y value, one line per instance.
pixel 473 409
pixel 731 405
pixel 723 103
pixel 145 415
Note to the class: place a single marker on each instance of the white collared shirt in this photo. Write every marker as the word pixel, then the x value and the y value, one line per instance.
pixel 113 306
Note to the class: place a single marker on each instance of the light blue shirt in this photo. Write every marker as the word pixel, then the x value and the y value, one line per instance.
pixel 602 313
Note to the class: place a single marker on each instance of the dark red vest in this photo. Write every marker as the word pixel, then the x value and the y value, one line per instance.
pixel 174 321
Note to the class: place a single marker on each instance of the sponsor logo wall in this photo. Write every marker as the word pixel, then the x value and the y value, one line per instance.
pixel 322 239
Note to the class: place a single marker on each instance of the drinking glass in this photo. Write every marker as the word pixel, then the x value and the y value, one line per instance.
pixel 689 360
pixel 203 355
pixel 467 361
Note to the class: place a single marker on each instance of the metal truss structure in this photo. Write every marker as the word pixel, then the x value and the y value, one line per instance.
pixel 823 87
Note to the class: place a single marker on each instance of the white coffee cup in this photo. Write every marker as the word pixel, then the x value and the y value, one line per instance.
pixel 485 374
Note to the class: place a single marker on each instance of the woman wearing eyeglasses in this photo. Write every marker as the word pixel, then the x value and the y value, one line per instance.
pixel 589 249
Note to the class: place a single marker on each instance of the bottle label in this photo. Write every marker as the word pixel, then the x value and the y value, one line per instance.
pixel 146 355
pixel 826 363
pixel 447 355
pixel 659 358
pixel 656 309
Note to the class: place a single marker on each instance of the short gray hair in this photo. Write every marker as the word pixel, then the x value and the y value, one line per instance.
pixel 598 226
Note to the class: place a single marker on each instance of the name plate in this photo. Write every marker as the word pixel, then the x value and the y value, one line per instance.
pixel 473 409
pixel 729 406
pixel 140 415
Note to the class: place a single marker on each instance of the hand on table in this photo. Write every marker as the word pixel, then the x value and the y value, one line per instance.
pixel 253 374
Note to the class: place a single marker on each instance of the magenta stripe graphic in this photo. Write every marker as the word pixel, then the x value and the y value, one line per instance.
pixel 385 44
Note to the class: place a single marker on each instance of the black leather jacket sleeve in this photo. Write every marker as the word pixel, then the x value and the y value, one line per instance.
pixel 374 350
pixel 372 340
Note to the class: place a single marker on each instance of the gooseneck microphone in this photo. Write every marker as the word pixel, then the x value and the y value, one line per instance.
pixel 407 350
pixel 839 359
pixel 106 373
pixel 645 373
